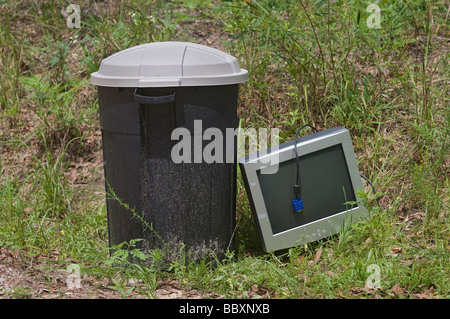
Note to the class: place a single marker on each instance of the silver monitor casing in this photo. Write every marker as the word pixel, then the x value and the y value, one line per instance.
pixel 315 230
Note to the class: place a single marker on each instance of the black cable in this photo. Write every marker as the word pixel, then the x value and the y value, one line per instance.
pixel 373 188
pixel 297 202
pixel 297 184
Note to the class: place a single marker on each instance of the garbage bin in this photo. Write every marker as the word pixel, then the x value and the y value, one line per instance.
pixel 145 93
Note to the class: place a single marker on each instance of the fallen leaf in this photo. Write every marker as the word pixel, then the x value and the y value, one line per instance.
pixel 318 254
pixel 396 250
pixel 397 289
pixel 366 287
pixel 430 291
pixel 369 289
pixel 427 294
pixel 356 292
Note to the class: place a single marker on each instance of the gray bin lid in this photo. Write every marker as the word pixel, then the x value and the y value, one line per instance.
pixel 169 64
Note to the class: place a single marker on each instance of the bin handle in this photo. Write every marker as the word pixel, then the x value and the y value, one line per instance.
pixel 143 99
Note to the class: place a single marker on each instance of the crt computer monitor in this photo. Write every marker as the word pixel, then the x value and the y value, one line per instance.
pixel 329 185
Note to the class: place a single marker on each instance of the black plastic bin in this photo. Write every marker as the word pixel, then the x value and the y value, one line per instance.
pixel 145 93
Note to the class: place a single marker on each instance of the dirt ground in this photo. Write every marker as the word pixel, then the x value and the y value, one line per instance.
pixel 42 280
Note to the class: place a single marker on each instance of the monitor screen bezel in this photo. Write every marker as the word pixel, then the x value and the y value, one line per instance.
pixel 268 160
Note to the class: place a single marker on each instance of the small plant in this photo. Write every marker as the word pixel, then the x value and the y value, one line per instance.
pixel 53 105
pixel 59 61
pixel 130 262
pixel 126 254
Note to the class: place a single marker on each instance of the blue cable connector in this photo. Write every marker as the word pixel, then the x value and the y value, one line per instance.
pixel 298 204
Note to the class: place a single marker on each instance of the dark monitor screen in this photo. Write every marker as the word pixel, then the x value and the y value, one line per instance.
pixel 326 189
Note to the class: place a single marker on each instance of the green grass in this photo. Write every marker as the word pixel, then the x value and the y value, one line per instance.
pixel 313 62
